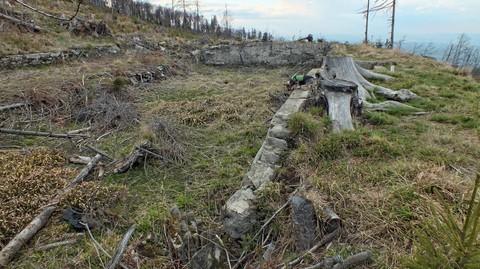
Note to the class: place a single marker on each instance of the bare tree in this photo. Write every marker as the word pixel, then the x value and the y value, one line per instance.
pixel 388 6
pixel 367 14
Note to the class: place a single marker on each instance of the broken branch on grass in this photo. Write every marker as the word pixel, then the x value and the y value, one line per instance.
pixel 31 26
pixel 325 240
pixel 354 260
pixel 117 257
pixel 79 130
pixel 56 244
pixel 12 106
pixel 35 133
pixel 9 251
pixel 243 256
pixel 50 15
pixel 103 153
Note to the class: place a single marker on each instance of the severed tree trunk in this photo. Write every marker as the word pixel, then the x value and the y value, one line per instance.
pixel 9 251
pixel 339 95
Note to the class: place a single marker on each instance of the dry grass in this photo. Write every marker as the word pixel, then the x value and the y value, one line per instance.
pixel 28 181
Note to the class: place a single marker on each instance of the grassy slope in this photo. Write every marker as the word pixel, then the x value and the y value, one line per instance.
pixel 378 177
pixel 221 144
pixel 381 177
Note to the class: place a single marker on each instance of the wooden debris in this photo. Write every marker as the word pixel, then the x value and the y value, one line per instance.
pixel 354 260
pixel 50 15
pixel 79 159
pixel 103 153
pixel 35 133
pixel 117 257
pixel 56 244
pixel 325 240
pixel 30 26
pixel 9 251
pixel 80 130
pixel 12 106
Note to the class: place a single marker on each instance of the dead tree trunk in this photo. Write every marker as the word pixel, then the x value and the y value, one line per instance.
pixel 9 251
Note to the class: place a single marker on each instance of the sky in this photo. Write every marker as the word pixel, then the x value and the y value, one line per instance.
pixel 439 21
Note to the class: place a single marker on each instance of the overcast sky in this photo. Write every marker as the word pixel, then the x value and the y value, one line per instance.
pixel 417 20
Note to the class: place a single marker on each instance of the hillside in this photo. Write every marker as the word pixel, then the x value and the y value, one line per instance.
pixel 193 130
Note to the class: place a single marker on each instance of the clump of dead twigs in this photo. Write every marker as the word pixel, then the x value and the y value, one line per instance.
pixel 108 110
pixel 166 139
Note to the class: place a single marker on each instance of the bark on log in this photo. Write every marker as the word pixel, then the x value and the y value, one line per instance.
pixel 12 106
pixel 9 251
pixel 117 257
pixel 35 133
pixel 30 26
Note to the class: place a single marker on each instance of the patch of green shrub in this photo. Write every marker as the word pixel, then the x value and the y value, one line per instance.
pixel 304 124
pixel 462 120
pixel 447 242
pixel 380 118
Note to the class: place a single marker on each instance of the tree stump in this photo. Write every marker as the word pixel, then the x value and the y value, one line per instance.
pixel 340 95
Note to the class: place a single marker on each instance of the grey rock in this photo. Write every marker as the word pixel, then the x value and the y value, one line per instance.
pixel 46 58
pixel 279 131
pixel 240 213
pixel 304 222
pixel 259 174
pixel 264 53
pixel 208 257
pixel 300 94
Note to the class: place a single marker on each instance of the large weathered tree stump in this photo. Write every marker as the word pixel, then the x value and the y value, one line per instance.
pixel 340 95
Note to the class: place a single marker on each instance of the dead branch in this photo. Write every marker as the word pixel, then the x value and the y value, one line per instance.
pixel 9 251
pixel 325 240
pixel 31 26
pixel 79 159
pixel 326 263
pixel 80 130
pixel 354 260
pixel 117 257
pixel 12 106
pixel 56 244
pixel 103 153
pixel 50 15
pixel 35 133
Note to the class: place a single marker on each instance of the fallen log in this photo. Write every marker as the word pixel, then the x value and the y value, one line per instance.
pixel 16 21
pixel 117 257
pixel 35 133
pixel 12 106
pixel 9 251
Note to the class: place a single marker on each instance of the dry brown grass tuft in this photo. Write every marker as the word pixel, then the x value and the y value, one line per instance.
pixel 28 181
pixel 200 112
